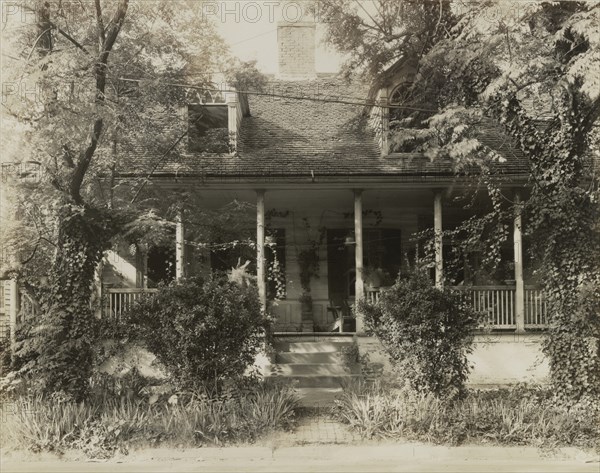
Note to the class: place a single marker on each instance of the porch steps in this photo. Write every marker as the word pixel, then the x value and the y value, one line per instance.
pixel 317 357
pixel 315 368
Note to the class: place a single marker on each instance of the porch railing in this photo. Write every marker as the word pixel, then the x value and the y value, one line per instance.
pixel 498 303
pixel 119 300
pixel 535 308
pixel 372 295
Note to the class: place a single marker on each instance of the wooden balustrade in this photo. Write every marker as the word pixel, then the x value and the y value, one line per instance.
pixel 535 308
pixel 119 300
pixel 372 295
pixel 497 303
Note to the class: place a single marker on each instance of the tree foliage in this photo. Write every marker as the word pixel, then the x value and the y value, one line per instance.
pixel 89 82
pixel 532 71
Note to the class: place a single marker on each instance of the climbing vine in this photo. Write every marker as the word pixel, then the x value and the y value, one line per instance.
pixel 55 353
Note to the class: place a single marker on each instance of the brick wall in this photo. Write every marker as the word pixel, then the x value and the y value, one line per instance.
pixel 296 45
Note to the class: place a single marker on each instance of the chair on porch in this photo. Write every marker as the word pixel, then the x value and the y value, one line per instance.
pixel 342 316
pixel 336 311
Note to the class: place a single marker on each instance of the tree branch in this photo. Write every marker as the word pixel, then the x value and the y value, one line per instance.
pixel 84 162
pixel 101 70
pixel 70 38
pixel 100 23
pixel 41 35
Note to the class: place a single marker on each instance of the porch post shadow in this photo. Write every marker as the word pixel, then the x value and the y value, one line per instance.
pixel 438 242
pixel 260 248
pixel 518 259
pixel 359 288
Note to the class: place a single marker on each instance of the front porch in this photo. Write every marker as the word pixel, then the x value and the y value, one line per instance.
pixel 352 233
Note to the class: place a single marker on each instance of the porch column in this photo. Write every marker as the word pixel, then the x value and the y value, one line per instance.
pixel 518 256
pixel 359 288
pixel 260 248
pixel 437 227
pixel 179 246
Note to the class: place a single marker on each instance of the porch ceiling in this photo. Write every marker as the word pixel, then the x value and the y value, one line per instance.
pixel 323 199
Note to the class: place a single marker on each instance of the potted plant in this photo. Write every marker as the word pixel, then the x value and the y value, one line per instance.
pixel 306 303
pixel 375 277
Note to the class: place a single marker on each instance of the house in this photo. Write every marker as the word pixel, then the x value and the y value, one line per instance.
pixel 333 206
pixel 311 155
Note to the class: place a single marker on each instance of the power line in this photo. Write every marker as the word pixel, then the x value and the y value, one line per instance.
pixel 355 101
pixel 253 37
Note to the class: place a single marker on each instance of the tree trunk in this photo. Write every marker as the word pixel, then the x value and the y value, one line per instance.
pixel 62 343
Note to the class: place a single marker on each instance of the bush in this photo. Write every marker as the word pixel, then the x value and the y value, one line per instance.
pixel 203 331
pixel 427 333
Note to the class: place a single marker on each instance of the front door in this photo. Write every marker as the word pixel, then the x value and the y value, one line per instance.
pixel 381 249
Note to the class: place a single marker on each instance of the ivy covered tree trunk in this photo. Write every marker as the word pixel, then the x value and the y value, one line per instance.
pixel 60 350
pixel 56 356
pixel 562 215
pixel 572 286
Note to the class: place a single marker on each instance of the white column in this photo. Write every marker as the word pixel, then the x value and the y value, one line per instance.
pixel 437 227
pixel 260 248
pixel 518 256
pixel 232 111
pixel 385 121
pixel 179 246
pixel 359 288
pixel 97 289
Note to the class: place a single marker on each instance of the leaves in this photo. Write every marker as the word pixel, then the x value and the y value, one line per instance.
pixel 426 332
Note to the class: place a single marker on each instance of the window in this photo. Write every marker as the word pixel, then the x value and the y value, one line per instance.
pixel 161 265
pixel 208 128
pixel 401 94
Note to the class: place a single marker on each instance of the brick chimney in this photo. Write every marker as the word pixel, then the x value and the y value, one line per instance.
pixel 296 46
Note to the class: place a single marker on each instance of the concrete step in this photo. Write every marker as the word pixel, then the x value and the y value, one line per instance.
pixel 317 381
pixel 312 347
pixel 308 369
pixel 318 397
pixel 315 357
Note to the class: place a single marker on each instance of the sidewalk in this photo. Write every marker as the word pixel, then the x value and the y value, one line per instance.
pixel 326 458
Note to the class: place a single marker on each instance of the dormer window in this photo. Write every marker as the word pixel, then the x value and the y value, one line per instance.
pixel 212 121
pixel 208 128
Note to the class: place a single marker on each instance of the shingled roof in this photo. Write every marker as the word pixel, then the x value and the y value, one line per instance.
pixel 311 128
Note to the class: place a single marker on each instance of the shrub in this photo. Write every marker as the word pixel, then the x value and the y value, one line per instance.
pixel 203 331
pixel 427 333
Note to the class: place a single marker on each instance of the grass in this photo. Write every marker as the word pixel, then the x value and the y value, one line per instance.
pixel 518 416
pixel 103 425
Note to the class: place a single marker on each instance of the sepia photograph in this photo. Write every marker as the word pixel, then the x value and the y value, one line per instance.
pixel 300 236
